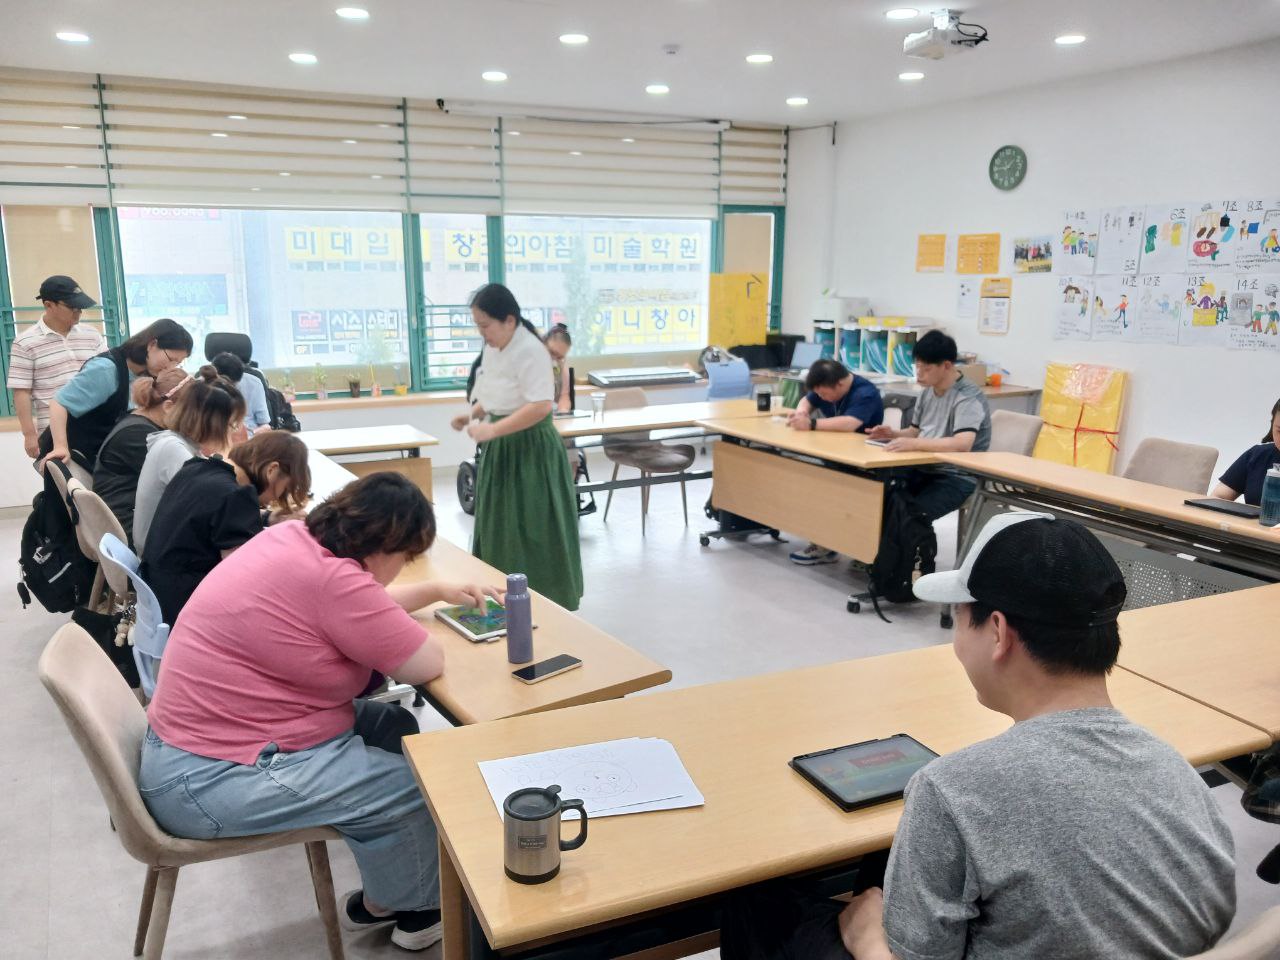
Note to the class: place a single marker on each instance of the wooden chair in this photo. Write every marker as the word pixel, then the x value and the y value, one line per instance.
pixel 1258 941
pixel 108 725
pixel 648 456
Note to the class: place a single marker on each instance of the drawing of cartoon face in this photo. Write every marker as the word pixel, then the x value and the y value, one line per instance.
pixel 596 779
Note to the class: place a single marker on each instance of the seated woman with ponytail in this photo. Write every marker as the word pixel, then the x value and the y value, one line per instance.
pixel 115 478
pixel 206 411
pixel 84 410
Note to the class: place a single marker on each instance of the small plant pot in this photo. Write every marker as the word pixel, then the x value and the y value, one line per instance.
pixel 355 388
pixel 375 390
pixel 401 389
pixel 322 393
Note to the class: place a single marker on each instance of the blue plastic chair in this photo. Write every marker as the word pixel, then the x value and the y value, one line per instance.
pixel 150 632
pixel 726 381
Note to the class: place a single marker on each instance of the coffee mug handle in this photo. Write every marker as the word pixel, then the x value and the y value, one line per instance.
pixel 581 838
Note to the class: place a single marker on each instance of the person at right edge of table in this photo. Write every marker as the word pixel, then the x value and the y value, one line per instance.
pixel 1073 835
pixel 1246 475
pixel 838 400
pixel 950 416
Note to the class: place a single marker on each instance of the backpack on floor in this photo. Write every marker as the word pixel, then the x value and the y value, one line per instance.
pixel 907 543
pixel 53 569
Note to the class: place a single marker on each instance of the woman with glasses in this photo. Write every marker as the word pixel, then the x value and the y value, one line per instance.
pixel 84 410
pixel 205 414
pixel 115 478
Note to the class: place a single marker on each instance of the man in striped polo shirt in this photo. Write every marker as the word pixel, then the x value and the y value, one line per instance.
pixel 48 354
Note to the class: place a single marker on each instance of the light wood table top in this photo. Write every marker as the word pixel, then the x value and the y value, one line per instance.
pixel 897 384
pixel 851 449
pixel 1132 496
pixel 760 820
pixel 327 476
pixel 1219 650
pixel 477 684
pixel 657 416
pixel 380 439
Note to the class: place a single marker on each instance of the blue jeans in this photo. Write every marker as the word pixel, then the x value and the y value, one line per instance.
pixel 366 793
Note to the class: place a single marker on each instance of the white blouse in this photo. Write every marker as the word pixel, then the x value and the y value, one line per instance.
pixel 519 373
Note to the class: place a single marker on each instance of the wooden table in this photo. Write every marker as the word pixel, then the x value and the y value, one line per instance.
pixel 388 438
pixel 997 396
pixel 1220 651
pixel 656 416
pixel 760 820
pixel 816 483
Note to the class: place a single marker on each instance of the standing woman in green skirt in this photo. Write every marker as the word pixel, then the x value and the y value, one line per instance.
pixel 526 512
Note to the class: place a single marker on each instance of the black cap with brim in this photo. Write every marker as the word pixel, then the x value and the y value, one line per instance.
pixel 62 289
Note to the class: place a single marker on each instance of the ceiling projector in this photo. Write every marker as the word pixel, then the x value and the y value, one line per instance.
pixel 947 36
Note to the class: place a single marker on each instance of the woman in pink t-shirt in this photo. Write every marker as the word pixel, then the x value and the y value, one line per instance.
pixel 254 729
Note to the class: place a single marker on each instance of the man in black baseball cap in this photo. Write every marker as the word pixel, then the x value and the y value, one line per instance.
pixel 66 291
pixel 1075 834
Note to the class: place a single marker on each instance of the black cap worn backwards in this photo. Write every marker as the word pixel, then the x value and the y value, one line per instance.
pixel 65 290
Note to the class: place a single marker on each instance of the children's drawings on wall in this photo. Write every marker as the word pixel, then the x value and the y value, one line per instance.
pixel 1164 238
pixel 1115 308
pixel 1259 236
pixel 1214 235
pixel 1253 312
pixel 1119 241
pixel 1033 254
pixel 1077 243
pixel 1204 309
pixel 1071 311
pixel 1160 301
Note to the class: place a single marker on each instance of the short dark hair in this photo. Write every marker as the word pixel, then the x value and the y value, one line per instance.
pixel 168 335
pixel 276 446
pixel 936 347
pixel 1091 651
pixel 229 365
pixel 1266 437
pixel 825 373
pixel 383 512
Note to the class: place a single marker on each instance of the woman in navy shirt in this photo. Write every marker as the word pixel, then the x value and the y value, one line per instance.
pixel 1245 476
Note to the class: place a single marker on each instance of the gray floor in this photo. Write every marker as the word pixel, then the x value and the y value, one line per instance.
pixel 68 890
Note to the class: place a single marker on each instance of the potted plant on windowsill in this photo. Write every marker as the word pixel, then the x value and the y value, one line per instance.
pixel 401 388
pixel 374 351
pixel 287 387
pixel 320 378
pixel 353 383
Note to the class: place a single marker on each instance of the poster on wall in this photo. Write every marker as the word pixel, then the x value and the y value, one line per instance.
pixel 1253 312
pixel 993 309
pixel 1077 243
pixel 1204 309
pixel 1259 250
pixel 931 252
pixel 1164 238
pixel 1115 308
pixel 1033 254
pixel 1071 310
pixel 978 253
pixel 1214 237
pixel 1119 241
pixel 967 300
pixel 1160 302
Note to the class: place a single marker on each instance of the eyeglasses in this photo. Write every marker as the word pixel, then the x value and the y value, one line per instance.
pixel 170 357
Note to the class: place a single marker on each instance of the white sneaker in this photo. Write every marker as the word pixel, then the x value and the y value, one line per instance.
pixel 813 555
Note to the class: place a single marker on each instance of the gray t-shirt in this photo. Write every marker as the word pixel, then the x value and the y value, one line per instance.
pixel 1071 836
pixel 963 407
pixel 166 453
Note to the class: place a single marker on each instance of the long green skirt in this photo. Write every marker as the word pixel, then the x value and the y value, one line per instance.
pixel 527 514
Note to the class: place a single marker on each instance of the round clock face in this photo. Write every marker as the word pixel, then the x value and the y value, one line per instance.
pixel 1007 168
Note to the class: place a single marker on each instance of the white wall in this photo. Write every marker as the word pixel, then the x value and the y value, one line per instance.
pixel 1174 132
pixel 806 253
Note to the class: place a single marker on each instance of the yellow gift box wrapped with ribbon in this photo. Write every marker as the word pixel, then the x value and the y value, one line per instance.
pixel 1081 409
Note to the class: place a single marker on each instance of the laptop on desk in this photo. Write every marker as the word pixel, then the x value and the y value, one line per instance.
pixel 803 357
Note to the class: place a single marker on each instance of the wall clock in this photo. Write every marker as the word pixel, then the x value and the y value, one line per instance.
pixel 1007 168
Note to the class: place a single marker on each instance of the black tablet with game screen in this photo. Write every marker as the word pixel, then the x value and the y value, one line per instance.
pixel 864 773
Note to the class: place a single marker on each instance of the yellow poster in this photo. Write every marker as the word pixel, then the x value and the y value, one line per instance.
pixel 997 287
pixel 978 253
pixel 739 309
pixel 931 252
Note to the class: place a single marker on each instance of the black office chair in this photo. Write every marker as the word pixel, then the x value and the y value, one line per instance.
pixel 238 344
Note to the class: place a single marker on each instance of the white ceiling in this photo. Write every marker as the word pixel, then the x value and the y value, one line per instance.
pixel 841 54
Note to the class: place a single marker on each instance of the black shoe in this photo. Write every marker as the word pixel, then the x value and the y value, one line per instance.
pixel 355 917
pixel 417 929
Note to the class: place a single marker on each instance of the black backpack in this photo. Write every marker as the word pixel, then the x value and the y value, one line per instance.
pixel 281 411
pixel 54 570
pixel 907 541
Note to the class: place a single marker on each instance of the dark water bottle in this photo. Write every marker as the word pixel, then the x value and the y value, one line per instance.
pixel 1269 516
pixel 519 619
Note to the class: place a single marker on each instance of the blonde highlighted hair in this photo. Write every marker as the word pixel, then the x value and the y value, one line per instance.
pixel 151 392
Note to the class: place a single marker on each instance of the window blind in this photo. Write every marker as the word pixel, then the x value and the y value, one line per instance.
pixel 753 165
pixel 50 139
pixel 453 161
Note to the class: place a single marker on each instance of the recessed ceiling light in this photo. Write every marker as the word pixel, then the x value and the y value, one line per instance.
pixel 1069 39
pixel 375 176
pixel 68 36
pixel 574 39
pixel 307 58
pixel 217 134
pixel 513 133
pixel 797 101
pixel 760 58
pixel 902 13
pixel 575 153
pixel 352 13
pixel 493 76
pixel 236 116
pixel 657 89
pixel 911 75
pixel 628 139
pixel 350 141
pixel 69 126
pixel 285 173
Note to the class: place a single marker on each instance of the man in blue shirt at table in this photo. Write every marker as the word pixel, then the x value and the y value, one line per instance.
pixel 838 400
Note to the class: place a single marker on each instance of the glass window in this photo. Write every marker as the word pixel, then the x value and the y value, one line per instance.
pixel 313 290
pixel 455 262
pixel 42 242
pixel 622 285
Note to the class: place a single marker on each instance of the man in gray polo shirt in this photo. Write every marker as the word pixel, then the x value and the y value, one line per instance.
pixel 950 416
pixel 1073 835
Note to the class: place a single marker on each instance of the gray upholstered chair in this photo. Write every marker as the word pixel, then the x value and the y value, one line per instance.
pixel 636 450
pixel 1258 941
pixel 1014 432
pixel 108 725
pixel 1172 463
pixel 94 519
